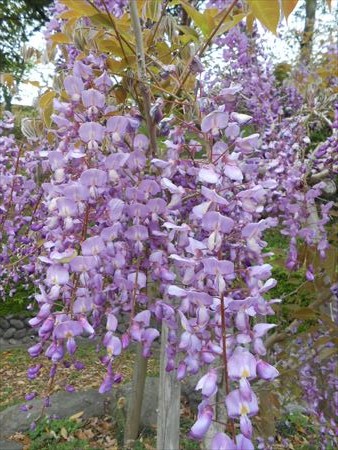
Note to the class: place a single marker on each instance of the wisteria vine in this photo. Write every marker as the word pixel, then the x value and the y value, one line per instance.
pixel 113 232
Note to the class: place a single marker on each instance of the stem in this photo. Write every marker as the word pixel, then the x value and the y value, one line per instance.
pixel 142 73
pixel 225 359
pixel 158 22
pixel 85 224
pixel 12 188
pixel 114 27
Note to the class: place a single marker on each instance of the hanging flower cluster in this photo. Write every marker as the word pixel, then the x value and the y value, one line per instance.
pixel 20 204
pixel 176 237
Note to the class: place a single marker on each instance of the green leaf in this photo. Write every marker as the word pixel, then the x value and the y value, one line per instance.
pixel 228 24
pixel 267 12
pixel 46 106
pixel 111 46
pixel 80 8
pixel 60 38
pixel 152 10
pixel 204 22
pixel 101 19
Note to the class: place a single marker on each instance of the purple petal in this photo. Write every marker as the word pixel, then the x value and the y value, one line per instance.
pixel 213 220
pixel 115 206
pixel 266 371
pixel 68 329
pixel 208 383
pixel 261 328
pixel 242 364
pixel 137 233
pixel 91 131
pixel 74 86
pixel 202 424
pixel 82 263
pixel 143 317
pixel 57 275
pixel 206 175
pixel 245 426
pixel 222 442
pixel 243 443
pixel 232 171
pixel 93 177
pixel 92 97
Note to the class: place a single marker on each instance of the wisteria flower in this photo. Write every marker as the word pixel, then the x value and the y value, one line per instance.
pixel 92 133
pixel 74 87
pixel 201 426
pixel 208 384
pixel 215 121
pixel 57 275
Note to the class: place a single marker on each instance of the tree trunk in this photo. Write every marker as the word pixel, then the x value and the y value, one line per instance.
pixel 168 419
pixel 133 418
pixel 8 98
pixel 307 37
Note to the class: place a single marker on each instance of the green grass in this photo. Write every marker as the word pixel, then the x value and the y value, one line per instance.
pixel 17 304
pixel 49 434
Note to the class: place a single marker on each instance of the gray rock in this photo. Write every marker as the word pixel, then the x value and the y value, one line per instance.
pixel 9 333
pixel 4 324
pixel 295 408
pixel 26 340
pixel 20 334
pixel 91 402
pixel 13 341
pixel 16 323
pixel 10 316
pixel 10 445
pixel 1 332
pixel 63 404
pixel 26 321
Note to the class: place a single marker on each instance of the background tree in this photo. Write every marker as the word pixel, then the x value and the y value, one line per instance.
pixel 18 21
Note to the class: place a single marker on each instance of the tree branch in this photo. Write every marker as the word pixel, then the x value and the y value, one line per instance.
pixel 142 74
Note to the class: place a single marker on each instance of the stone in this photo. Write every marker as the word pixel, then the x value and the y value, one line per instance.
pixel 13 341
pixel 20 334
pixel 16 323
pixel 64 404
pixel 26 321
pixel 295 408
pixel 4 324
pixel 2 332
pixel 10 445
pixel 26 340
pixel 9 333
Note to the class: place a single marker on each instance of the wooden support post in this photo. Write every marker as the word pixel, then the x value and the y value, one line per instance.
pixel 133 418
pixel 168 419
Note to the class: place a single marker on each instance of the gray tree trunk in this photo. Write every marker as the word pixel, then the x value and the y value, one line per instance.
pixel 168 419
pixel 307 37
pixel 133 418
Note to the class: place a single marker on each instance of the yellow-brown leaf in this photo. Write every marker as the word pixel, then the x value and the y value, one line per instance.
pixel 267 12
pixel 288 6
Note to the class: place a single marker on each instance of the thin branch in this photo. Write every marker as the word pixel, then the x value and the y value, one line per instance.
pixel 142 74
pixel 206 44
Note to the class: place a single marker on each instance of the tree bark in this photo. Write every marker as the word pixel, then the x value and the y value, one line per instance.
pixel 8 98
pixel 133 418
pixel 168 419
pixel 308 32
